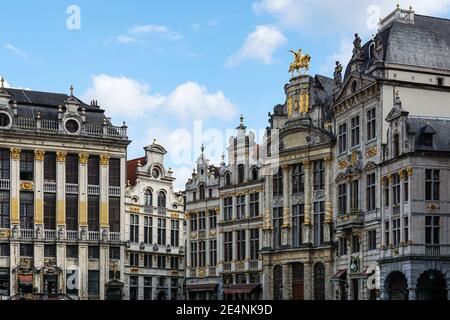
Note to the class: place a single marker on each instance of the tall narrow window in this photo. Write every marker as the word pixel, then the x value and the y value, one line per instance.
pixel 406 188
pixel 161 231
pixel 148 201
pixel 194 261
pixel 396 232
pixel 5 164
pixel 202 253
pixel 254 205
pixel 319 219
pixel 370 192
pixel 342 246
pixel 355 131
pixel 212 219
pixel 278 183
pixel 4 209
pixel 432 230
pixel 386 192
pixel 193 222
pixel 148 230
pixel 114 172
pixel 201 192
pixel 72 212
pixel 354 195
pixel 319 175
pixel 254 244
pixel 396 189
pixel 240 245
pixel 27 210
pixel 93 213
pixel 161 199
pixel 228 179
pixel 372 240
pixel 241 173
pixel 240 207
pixel 387 240
pixel 27 165
pixel 396 146
pixel 355 243
pixel 94 170
pixel 72 169
pixel 134 228
pixel 342 198
pixel 202 221
pixel 298 218
pixel 114 214
pixel 371 124
pixel 298 179
pixel 212 252
pixel 50 167
pixel 432 185
pixel 228 246
pixel 342 138
pixel 174 233
pixel 406 229
pixel 50 211
pixel 277 223
pixel 227 209
pixel 93 283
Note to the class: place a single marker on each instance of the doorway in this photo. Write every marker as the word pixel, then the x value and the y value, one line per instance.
pixel 51 285
pixel 298 275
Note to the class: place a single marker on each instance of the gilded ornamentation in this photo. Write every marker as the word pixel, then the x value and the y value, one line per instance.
pixel 83 158
pixel 104 159
pixel 174 215
pixel 409 171
pixel 432 207
pixel 329 161
pixel 301 62
pixel 289 106
pixel 26 186
pixel 343 164
pixel 135 209
pixel 307 163
pixel 372 152
pixel 389 178
pixel 401 174
pixel 15 153
pixel 61 156
pixel 304 102
pixel 39 155
pixel 4 233
pixel 267 220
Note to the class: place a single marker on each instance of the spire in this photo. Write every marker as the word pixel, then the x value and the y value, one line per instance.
pixel 222 163
pixel 202 148
pixel 3 83
pixel 241 125
pixel 397 101
pixel 71 90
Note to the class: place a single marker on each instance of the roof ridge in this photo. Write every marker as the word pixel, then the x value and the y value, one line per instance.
pixel 37 91
pixel 435 18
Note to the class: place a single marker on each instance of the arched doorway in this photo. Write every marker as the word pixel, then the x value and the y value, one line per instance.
pixel 397 286
pixel 431 286
pixel 277 283
pixel 298 281
pixel 319 281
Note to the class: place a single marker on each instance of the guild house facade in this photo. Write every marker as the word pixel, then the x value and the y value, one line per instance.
pixel 154 230
pixel 62 167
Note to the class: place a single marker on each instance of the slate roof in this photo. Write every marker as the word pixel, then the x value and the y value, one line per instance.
pixel 441 136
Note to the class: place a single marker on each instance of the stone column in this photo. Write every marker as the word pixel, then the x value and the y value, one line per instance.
pixel 220 253
pixel 104 269
pixel 61 189
pixel 104 191
pixel 61 263
pixel 234 257
pixel 267 215
pixel 307 226
pixel 287 282
pixel 328 199
pixel 286 207
pixel 15 187
pixel 267 283
pixel 247 248
pixel 82 190
pixel 188 241
pixel 39 190
pixel 83 262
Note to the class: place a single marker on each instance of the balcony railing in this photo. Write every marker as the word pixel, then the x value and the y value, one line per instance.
pixel 54 126
pixel 350 220
pixel 93 235
pixel 114 191
pixel 49 186
pixel 27 233
pixel 253 265
pixel 114 236
pixel 93 190
pixel 50 234
pixel 433 250
pixel 72 235
pixel 227 266
pixel 162 211
pixel 72 188
pixel 4 184
pixel 212 271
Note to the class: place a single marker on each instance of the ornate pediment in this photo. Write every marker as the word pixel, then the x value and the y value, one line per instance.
pixel 370 166
pixel 302 137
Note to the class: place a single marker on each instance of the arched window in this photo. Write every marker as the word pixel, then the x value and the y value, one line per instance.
pixel 371 50
pixel 277 282
pixel 354 86
pixel 397 286
pixel 396 146
pixel 241 173
pixel 228 179
pixel 161 199
pixel 148 201
pixel 254 174
pixel 201 191
pixel 319 281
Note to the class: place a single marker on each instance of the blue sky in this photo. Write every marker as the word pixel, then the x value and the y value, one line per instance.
pixel 161 65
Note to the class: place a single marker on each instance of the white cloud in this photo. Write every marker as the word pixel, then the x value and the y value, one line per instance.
pixel 193 100
pixel 182 174
pixel 343 55
pixel 17 51
pixel 123 96
pixel 261 44
pixel 347 15
pixel 126 39
pixel 156 29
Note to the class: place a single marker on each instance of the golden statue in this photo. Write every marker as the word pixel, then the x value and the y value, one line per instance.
pixel 301 61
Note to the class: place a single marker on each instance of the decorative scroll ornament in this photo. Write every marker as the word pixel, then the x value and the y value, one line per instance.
pixel 301 62
pixel 61 156
pixel 372 152
pixel 104 159
pixel 15 153
pixel 39 155
pixel 304 102
pixel 83 158
pixel 290 106
pixel 26 186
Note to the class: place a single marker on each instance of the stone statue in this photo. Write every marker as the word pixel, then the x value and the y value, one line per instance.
pixel 357 46
pixel 104 235
pixel 379 48
pixel 338 74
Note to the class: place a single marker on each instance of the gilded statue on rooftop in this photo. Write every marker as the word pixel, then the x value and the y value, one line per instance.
pixel 301 62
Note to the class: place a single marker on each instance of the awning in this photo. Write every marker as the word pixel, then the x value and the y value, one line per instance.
pixel 26 278
pixel 340 275
pixel 240 288
pixel 366 272
pixel 202 287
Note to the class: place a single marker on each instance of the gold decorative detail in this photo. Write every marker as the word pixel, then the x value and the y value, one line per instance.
pixel 304 102
pixel 15 153
pixel 354 158
pixel 382 180
pixel 372 152
pixel 433 207
pixel 26 262
pixel 104 217
pixel 329 160
pixel 134 270
pixel 39 155
pixel 409 171
pixel 175 215
pixel 201 272
pixel 5 233
pixel 104 159
pixel 61 156
pixel 343 164
pixel 301 62
pixel 267 220
pixel 389 178
pixel 187 215
pixel 307 163
pixel 26 186
pixel 83 158
pixel 135 209
pixel 401 174
pixel 289 106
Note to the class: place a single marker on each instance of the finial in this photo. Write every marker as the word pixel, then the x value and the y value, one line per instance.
pixel 242 119
pixel 3 83
pixel 154 141
pixel 71 90
pixel 410 7
pixel 398 5
pixel 139 163
pixel 202 148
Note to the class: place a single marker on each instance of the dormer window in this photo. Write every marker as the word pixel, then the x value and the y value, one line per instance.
pixel 5 120
pixel 354 86
pixel 426 136
pixel 371 50
pixel 201 192
pixel 396 146
pixel 228 179
pixel 255 174
pixel 241 173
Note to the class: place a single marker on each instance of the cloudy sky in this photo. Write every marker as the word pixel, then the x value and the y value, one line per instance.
pixel 182 72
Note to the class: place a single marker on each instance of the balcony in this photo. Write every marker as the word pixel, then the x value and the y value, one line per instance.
pixel 227 266
pixel 114 236
pixel 5 184
pixel 212 271
pixel 49 234
pixel 114 191
pixel 253 265
pixel 433 250
pixel 50 187
pixel 71 235
pixel 162 211
pixel 350 220
pixel 56 127
pixel 93 190
pixel 93 235
pixel 72 188
pixel 27 233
